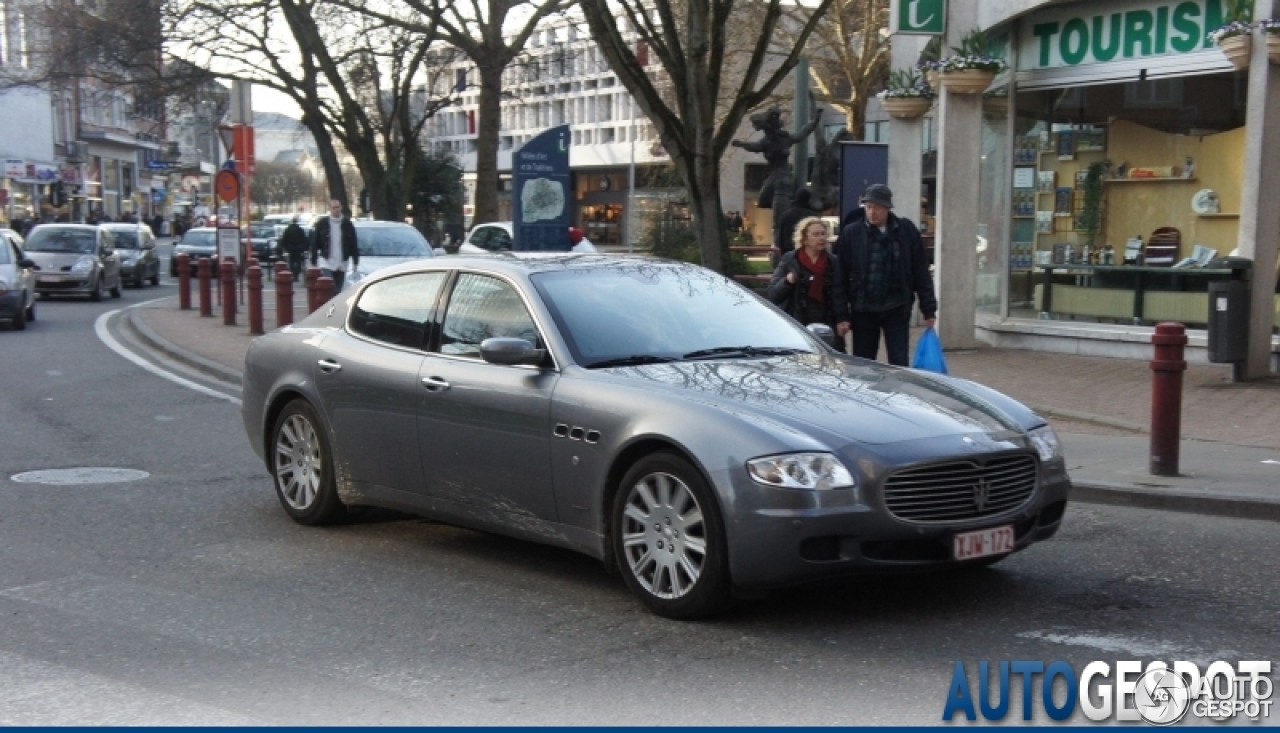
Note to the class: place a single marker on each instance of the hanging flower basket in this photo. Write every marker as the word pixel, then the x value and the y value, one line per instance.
pixel 1236 41
pixel 967 81
pixel 931 78
pixel 1271 33
pixel 906 108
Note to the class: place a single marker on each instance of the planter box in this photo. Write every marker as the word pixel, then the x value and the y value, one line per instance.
pixel 906 108
pixel 1236 49
pixel 968 81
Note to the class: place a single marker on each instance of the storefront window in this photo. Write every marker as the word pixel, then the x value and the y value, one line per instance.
pixel 1120 193
pixel 993 199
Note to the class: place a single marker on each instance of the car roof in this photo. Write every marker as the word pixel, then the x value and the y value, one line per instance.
pixel 74 227
pixel 362 223
pixel 523 264
pixel 202 229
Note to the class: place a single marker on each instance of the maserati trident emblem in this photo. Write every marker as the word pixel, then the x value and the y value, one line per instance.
pixel 980 494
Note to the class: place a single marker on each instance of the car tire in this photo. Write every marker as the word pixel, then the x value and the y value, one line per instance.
pixel 668 538
pixel 302 467
pixel 96 294
pixel 155 277
pixel 115 292
pixel 141 282
pixel 20 319
pixel 31 309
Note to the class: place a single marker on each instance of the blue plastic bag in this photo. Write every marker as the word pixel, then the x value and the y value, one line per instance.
pixel 929 353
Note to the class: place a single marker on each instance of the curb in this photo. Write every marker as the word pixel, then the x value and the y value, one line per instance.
pixel 195 361
pixel 1235 506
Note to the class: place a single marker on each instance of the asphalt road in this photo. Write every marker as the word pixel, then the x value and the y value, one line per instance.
pixel 189 597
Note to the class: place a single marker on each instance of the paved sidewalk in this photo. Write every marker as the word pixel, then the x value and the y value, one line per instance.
pixel 1230 454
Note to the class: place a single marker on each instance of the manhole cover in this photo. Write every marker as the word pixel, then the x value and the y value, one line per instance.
pixel 77 476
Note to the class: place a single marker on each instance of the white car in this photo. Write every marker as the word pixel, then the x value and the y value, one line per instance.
pixel 17 282
pixel 496 236
pixel 386 243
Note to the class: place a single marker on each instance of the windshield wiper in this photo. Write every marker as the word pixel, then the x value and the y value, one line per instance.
pixel 633 360
pixel 728 351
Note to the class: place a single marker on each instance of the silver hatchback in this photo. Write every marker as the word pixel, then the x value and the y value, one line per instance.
pixel 74 259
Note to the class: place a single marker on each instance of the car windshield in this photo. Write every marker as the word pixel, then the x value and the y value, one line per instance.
pixel 262 231
pixel 71 241
pixel 198 239
pixel 392 241
pixel 126 239
pixel 638 313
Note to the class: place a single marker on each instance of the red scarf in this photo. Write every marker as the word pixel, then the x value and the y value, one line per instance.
pixel 818 285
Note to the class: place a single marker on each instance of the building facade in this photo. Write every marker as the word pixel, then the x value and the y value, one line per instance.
pixel 1118 154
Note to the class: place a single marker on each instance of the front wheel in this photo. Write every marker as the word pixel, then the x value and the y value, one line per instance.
pixel 302 466
pixel 96 294
pixel 115 292
pixel 31 309
pixel 668 538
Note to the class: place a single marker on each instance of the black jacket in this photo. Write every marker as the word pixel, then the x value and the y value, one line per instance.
pixel 788 296
pixel 320 240
pixel 294 239
pixel 851 249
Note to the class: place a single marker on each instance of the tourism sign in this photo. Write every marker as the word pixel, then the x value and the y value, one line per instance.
pixel 1097 33
pixel 918 17
pixel 540 197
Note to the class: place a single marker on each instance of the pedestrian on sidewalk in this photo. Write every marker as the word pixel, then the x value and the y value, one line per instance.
pixel 809 283
pixel 884 259
pixel 785 238
pixel 293 241
pixel 333 242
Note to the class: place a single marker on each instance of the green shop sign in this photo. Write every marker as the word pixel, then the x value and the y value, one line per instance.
pixel 918 17
pixel 1086 34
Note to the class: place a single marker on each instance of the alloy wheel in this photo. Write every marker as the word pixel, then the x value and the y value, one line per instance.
pixel 664 535
pixel 299 462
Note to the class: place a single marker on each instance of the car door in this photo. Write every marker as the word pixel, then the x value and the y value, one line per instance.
pixel 484 430
pixel 110 260
pixel 25 276
pixel 367 375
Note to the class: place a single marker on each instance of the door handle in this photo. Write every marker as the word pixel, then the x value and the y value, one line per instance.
pixel 435 384
pixel 328 366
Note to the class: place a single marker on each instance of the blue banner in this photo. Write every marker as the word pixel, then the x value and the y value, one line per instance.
pixel 542 194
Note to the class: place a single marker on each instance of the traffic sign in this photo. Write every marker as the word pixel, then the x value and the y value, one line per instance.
pixel 227 185
pixel 228 135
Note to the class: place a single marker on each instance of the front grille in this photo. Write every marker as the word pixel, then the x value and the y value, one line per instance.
pixel 961 490
pixel 60 285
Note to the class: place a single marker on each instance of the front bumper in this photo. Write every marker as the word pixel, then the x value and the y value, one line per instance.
pixel 65 284
pixel 782 537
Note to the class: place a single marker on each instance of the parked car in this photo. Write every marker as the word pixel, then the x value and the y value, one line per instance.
pixel 17 282
pixel 197 243
pixel 74 259
pixel 386 243
pixel 649 413
pixel 497 236
pixel 136 245
pixel 262 239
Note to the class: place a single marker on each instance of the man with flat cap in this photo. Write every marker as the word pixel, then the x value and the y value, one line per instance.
pixel 884 259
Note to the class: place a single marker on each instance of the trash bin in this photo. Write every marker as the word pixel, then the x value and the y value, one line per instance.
pixel 1229 311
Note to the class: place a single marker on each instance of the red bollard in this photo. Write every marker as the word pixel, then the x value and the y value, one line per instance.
pixel 228 293
pixel 184 281
pixel 313 274
pixel 254 276
pixel 204 270
pixel 279 267
pixel 1166 397
pixel 324 291
pixel 284 298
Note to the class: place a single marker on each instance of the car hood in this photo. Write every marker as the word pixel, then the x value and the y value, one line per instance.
pixel 858 400
pixel 55 260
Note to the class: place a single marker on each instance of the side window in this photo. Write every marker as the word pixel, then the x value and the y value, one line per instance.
pixel 480 237
pixel 499 240
pixel 484 307
pixel 395 311
pixel 7 252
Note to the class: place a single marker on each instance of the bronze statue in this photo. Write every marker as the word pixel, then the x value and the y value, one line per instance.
pixel 776 146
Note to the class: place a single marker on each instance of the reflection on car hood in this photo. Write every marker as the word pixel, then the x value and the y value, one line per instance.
pixel 862 401
pixel 196 247
pixel 54 260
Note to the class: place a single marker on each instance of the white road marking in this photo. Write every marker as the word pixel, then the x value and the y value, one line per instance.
pixel 1135 647
pixel 104 335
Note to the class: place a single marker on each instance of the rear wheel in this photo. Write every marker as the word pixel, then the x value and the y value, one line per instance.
pixel 302 466
pixel 20 319
pixel 668 538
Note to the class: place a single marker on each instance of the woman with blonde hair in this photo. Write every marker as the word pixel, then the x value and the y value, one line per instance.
pixel 809 283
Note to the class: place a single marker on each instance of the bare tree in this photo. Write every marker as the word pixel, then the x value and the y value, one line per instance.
pixel 481 31
pixel 280 184
pixel 849 55
pixel 709 94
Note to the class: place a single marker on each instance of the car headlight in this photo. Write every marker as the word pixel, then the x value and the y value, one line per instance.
pixel 4 287
pixel 1047 443
pixel 83 265
pixel 818 471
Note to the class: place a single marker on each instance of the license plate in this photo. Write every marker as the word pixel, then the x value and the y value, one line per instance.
pixel 983 543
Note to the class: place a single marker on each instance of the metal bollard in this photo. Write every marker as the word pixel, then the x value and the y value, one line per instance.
pixel 228 293
pixel 284 298
pixel 254 276
pixel 1166 397
pixel 184 281
pixel 204 271
pixel 313 274
pixel 324 291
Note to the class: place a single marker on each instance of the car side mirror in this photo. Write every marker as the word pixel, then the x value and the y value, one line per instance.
pixel 148 245
pixel 822 331
pixel 107 251
pixel 510 351
pixel 26 264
